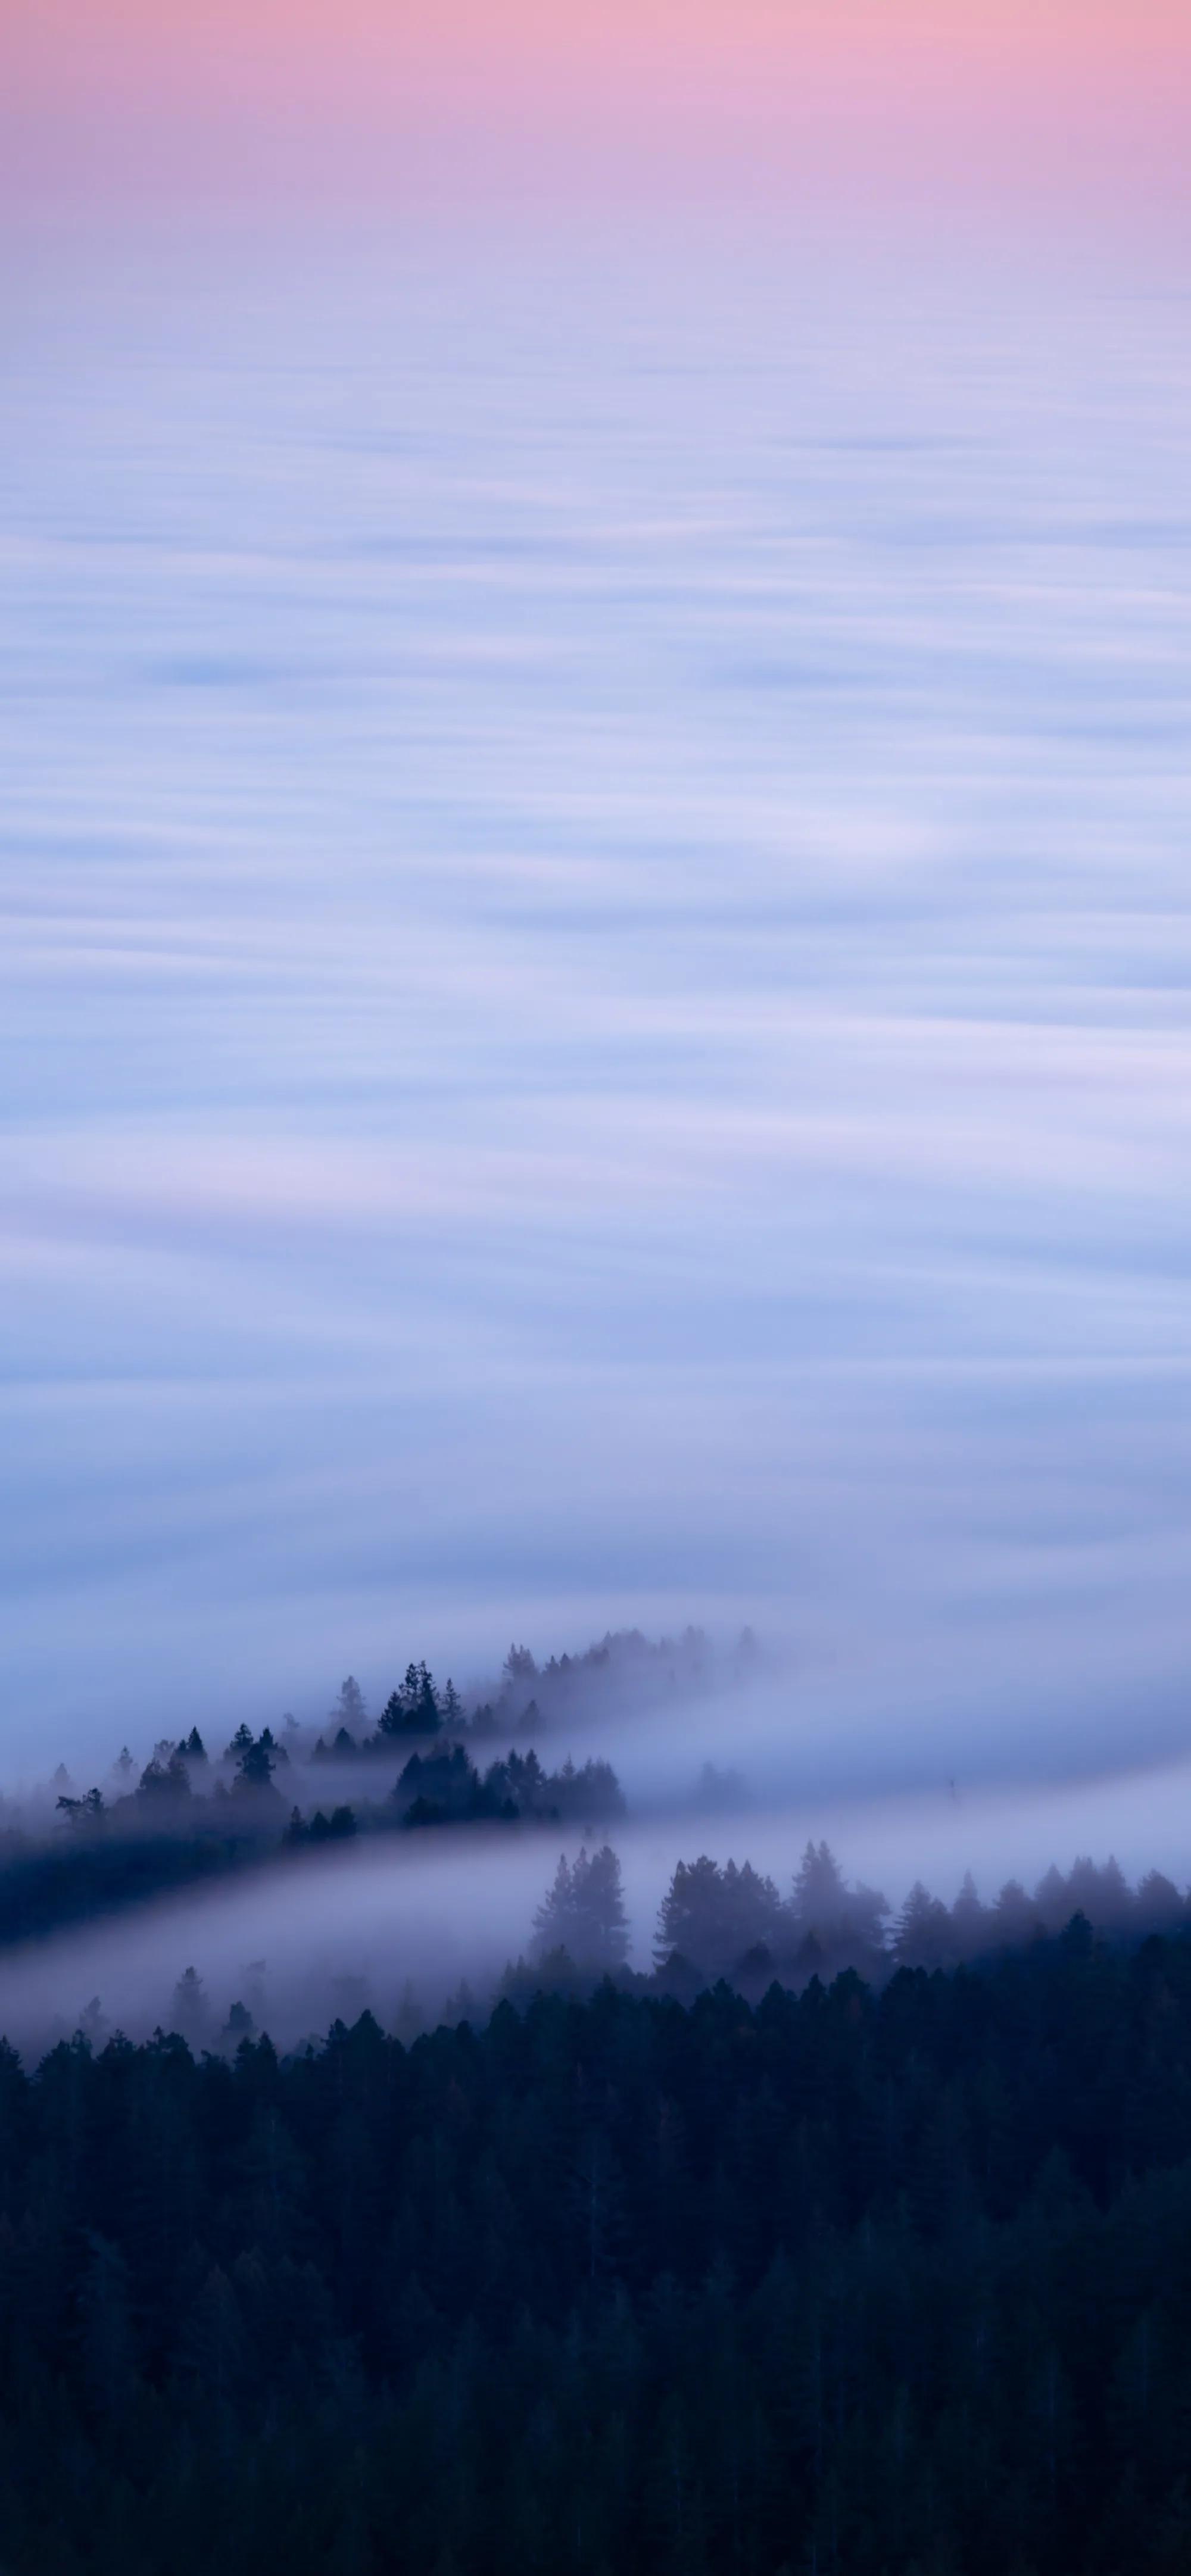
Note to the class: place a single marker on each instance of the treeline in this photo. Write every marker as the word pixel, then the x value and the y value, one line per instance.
pixel 720 1920
pixel 727 1921
pixel 178 1783
pixel 240 1784
pixel 623 1667
pixel 194 1811
pixel 181 1771
pixel 170 1834
pixel 445 1787
pixel 894 2282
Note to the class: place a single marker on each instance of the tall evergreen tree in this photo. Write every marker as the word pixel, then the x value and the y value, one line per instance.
pixel 583 1911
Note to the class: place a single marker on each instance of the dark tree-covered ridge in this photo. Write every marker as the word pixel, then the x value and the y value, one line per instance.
pixel 623 1673
pixel 892 2282
pixel 721 1920
pixel 166 1834
pixel 195 1810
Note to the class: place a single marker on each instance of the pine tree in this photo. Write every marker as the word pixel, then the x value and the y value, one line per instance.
pixel 583 1911
pixel 969 1919
pixel 190 2012
pixel 820 1897
pixel 351 1707
pixel 924 1931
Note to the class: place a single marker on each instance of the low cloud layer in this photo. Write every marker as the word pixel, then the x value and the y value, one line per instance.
pixel 593 1002
pixel 411 1926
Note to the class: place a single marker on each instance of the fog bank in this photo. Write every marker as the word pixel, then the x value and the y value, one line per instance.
pixel 593 999
pixel 405 1926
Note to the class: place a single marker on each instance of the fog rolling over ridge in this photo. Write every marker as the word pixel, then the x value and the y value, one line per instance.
pixel 595 1024
pixel 428 1927
pixel 402 1867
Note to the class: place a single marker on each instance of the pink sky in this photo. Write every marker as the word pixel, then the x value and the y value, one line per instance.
pixel 1059 101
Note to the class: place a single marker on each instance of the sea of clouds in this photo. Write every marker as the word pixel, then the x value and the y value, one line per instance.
pixel 594 991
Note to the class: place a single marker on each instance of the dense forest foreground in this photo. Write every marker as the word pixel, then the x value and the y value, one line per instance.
pixel 896 2283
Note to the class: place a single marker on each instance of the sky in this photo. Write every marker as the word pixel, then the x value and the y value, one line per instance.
pixel 594 992
pixel 1025 108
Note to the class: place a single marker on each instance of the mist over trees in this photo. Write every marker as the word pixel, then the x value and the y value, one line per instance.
pixel 431 1760
pixel 625 1673
pixel 835 2233
pixel 432 1764
pixel 720 1920
pixel 583 1914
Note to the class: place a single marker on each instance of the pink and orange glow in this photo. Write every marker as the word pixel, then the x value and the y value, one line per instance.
pixel 1050 100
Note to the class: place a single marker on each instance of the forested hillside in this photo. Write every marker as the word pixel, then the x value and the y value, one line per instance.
pixel 897 2283
pixel 197 1813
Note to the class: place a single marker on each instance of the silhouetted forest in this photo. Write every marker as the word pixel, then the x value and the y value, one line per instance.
pixel 894 2282
pixel 193 1813
pixel 189 1814
pixel 720 1922
pixel 724 1921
